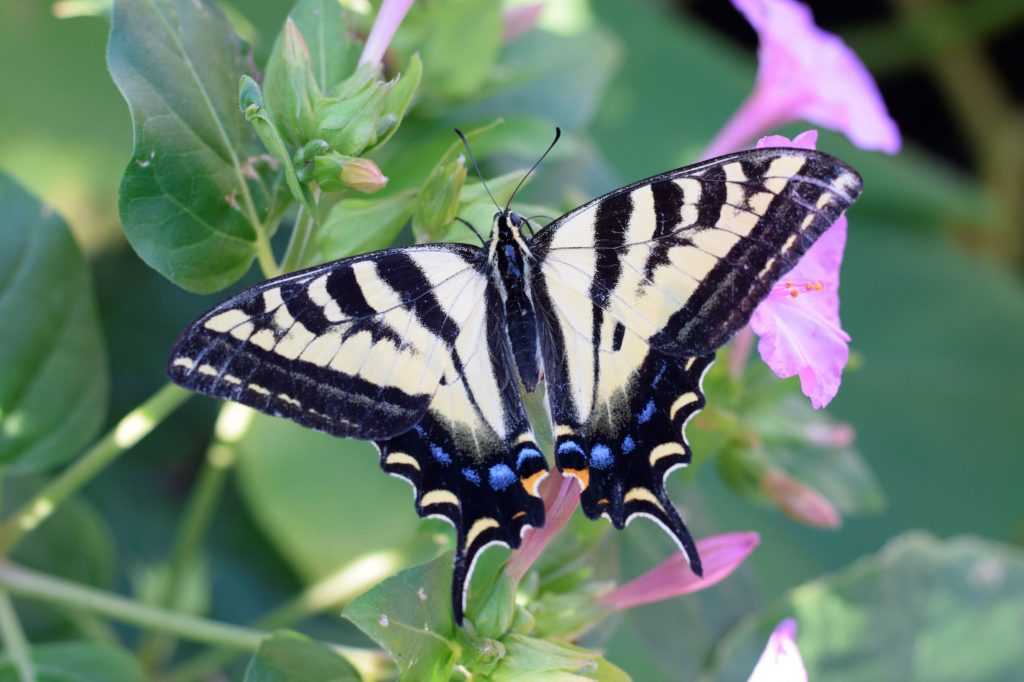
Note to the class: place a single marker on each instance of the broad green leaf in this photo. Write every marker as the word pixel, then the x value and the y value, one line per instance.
pixel 460 42
pixel 529 658
pixel 410 616
pixel 77 662
pixel 291 657
pixel 921 610
pixel 559 79
pixel 54 385
pixel 357 225
pixel 327 506
pixel 185 201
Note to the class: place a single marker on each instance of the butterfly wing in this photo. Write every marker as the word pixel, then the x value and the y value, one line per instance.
pixel 405 347
pixel 636 290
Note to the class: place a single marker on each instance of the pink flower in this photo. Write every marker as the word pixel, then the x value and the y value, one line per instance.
pixel 520 19
pixel 810 74
pixel 781 661
pixel 799 320
pixel 561 497
pixel 720 554
pixel 800 502
pixel 384 26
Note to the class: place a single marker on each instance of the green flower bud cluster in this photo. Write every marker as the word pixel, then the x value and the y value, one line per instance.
pixel 332 125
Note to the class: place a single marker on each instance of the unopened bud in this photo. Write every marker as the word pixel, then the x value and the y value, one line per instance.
pixel 798 501
pixel 363 175
pixel 438 202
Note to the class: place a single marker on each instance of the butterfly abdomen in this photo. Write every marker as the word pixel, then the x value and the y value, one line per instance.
pixel 521 320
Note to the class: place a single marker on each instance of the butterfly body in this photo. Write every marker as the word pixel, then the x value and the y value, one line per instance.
pixel 619 305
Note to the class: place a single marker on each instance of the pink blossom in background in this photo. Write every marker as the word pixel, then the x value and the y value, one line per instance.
pixel 720 554
pixel 520 19
pixel 781 660
pixel 798 323
pixel 384 26
pixel 800 502
pixel 561 497
pixel 805 73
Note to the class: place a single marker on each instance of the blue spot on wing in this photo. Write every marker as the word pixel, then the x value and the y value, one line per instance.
pixel 570 446
pixel 439 454
pixel 647 413
pixel 628 444
pixel 525 454
pixel 471 476
pixel 501 476
pixel 601 456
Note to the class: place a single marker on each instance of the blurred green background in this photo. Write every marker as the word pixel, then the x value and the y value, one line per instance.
pixel 932 295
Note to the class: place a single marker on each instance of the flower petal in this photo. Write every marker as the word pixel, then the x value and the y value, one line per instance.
pixel 384 26
pixel 806 73
pixel 781 660
pixel 720 555
pixel 561 497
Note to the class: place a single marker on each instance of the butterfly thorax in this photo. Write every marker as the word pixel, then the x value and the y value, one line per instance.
pixel 510 262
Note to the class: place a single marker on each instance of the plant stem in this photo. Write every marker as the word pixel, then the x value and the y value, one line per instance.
pixel 15 644
pixel 198 514
pixel 132 428
pixel 328 593
pixel 264 254
pixel 32 585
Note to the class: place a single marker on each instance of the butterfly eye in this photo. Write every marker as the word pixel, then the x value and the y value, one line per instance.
pixel 515 219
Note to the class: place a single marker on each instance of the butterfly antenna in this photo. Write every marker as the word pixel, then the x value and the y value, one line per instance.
pixel 469 153
pixel 558 134
pixel 470 226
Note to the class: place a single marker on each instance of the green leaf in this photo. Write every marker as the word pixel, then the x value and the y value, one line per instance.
pixel 77 662
pixel 327 506
pixel 291 657
pixel 558 79
pixel 54 384
pixel 461 43
pixel 921 610
pixel 360 225
pixel 410 616
pixel 529 658
pixel 185 203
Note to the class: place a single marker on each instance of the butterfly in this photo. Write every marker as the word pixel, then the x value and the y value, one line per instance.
pixel 619 305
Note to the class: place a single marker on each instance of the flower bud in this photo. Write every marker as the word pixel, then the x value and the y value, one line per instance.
pixel 798 501
pixel 333 172
pixel 291 86
pixel 438 202
pixel 363 175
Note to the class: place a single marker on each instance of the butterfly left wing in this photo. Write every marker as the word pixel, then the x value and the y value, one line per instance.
pixel 480 474
pixel 405 347
pixel 636 290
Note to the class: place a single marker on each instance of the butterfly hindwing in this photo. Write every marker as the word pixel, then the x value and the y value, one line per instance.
pixel 484 481
pixel 650 277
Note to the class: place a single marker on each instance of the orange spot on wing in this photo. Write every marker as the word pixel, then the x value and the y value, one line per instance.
pixel 581 475
pixel 531 482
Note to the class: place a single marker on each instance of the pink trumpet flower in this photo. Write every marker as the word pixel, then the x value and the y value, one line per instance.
pixel 561 497
pixel 520 19
pixel 805 73
pixel 384 26
pixel 720 554
pixel 798 323
pixel 781 661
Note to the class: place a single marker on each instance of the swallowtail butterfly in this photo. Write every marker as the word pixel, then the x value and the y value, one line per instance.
pixel 619 305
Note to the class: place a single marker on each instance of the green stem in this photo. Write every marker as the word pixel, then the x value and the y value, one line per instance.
pixel 202 503
pixel 301 233
pixel 264 254
pixel 132 428
pixel 326 594
pixel 15 644
pixel 30 584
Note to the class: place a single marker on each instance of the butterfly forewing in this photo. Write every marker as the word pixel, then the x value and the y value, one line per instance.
pixel 636 290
